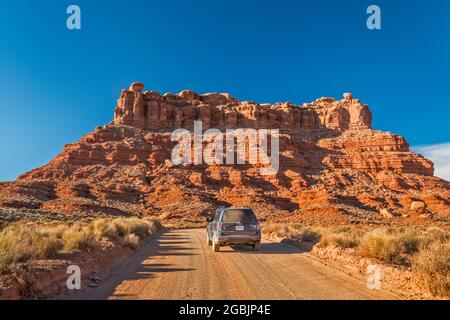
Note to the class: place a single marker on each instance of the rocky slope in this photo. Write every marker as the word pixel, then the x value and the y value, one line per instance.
pixel 333 167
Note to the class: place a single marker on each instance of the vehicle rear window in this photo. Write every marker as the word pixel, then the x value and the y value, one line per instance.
pixel 238 215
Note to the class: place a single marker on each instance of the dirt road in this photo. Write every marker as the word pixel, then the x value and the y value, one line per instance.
pixel 181 266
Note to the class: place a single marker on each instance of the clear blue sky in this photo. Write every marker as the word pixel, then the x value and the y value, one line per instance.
pixel 57 85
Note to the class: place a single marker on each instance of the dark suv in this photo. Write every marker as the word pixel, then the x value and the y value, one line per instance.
pixel 233 226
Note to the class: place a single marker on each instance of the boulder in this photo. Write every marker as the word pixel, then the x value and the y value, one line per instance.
pixel 418 206
pixel 386 213
pixel 188 95
pixel 137 87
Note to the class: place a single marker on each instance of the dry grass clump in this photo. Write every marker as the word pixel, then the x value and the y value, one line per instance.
pixel 294 231
pixel 411 240
pixel 183 224
pixel 339 240
pixel 115 229
pixel 398 245
pixel 342 237
pixel 78 238
pixel 437 234
pixel 381 245
pixel 272 228
pixel 131 240
pixel 155 222
pixel 433 263
pixel 24 242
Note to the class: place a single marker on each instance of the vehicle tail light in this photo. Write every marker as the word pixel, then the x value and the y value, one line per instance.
pixel 255 227
pixel 219 226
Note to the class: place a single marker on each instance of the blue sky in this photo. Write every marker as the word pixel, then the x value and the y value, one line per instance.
pixel 57 85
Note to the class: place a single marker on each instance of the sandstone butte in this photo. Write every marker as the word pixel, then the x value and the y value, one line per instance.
pixel 334 168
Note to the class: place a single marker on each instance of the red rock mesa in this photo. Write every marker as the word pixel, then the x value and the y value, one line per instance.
pixel 334 169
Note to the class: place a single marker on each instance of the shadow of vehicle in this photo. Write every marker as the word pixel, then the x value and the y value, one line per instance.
pixel 284 247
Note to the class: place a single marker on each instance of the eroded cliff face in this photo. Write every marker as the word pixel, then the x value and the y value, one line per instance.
pixel 334 169
pixel 151 111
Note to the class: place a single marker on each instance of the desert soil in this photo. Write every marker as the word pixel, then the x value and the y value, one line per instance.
pixel 180 265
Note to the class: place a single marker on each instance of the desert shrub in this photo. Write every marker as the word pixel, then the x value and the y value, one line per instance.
pixel 390 244
pixel 293 231
pixel 45 246
pixel 411 241
pixel 59 230
pixel 79 238
pixel 306 234
pixel 271 228
pixel 119 228
pixel 433 262
pixel 139 227
pixel 22 242
pixel 344 229
pixel 382 245
pixel 105 228
pixel 155 223
pixel 340 237
pixel 127 230
pixel 131 241
pixel 53 230
pixel 437 234
pixel 339 240
pixel 12 251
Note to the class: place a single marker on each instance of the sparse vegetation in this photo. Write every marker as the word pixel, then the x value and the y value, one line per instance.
pixel 339 239
pixel 381 245
pixel 131 240
pixel 78 238
pixel 121 227
pixel 24 242
pixel 428 251
pixel 294 232
pixel 397 245
pixel 433 262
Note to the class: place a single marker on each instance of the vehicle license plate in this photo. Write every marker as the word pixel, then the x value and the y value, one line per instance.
pixel 239 228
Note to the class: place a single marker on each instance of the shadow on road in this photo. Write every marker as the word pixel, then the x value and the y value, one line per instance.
pixel 270 248
pixel 166 245
pixel 147 271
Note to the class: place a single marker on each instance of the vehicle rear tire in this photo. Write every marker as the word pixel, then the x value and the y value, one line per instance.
pixel 257 246
pixel 215 245
pixel 208 240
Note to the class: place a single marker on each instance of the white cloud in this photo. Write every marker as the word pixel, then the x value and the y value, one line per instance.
pixel 440 155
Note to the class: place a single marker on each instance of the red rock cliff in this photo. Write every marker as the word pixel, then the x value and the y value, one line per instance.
pixel 333 167
pixel 151 111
